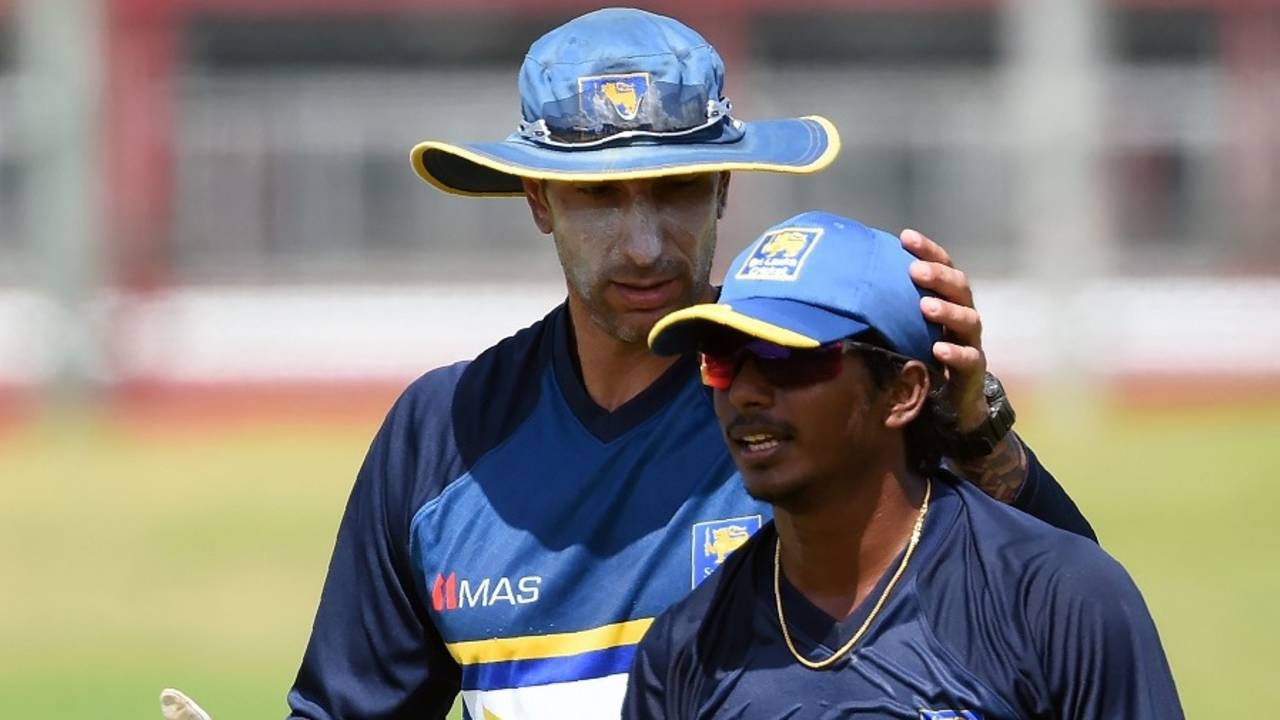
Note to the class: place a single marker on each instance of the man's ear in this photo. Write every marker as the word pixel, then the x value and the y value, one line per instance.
pixel 907 395
pixel 722 195
pixel 535 193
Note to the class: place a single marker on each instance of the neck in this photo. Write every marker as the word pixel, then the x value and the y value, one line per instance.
pixel 613 371
pixel 835 551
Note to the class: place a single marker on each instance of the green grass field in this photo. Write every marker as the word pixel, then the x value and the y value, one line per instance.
pixel 193 557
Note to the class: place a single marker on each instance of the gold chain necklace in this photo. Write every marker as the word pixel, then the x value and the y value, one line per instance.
pixel 777 595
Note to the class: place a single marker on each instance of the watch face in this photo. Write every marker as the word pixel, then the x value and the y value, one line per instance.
pixel 980 441
pixel 991 386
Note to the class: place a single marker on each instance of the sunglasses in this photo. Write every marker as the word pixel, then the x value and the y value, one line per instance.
pixel 781 366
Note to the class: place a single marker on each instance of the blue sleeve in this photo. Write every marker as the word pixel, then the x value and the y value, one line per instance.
pixel 669 673
pixel 647 694
pixel 663 681
pixel 374 653
pixel 1101 654
pixel 1043 498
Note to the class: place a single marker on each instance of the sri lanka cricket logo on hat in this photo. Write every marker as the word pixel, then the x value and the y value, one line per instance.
pixel 779 254
pixel 621 94
pixel 715 539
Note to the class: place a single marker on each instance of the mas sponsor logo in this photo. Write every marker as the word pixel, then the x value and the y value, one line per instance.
pixel 780 254
pixel 949 715
pixel 715 539
pixel 606 99
pixel 448 592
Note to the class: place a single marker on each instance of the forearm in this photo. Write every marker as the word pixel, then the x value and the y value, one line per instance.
pixel 1012 474
pixel 1000 474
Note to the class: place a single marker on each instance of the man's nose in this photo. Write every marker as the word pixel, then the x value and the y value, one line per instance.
pixel 642 241
pixel 749 390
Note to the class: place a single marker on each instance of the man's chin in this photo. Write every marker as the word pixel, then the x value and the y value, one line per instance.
pixel 627 328
pixel 633 326
pixel 767 486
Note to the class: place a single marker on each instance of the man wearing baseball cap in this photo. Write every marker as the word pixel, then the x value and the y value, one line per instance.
pixel 521 518
pixel 884 586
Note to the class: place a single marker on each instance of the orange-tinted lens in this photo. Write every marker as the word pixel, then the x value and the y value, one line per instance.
pixel 718 370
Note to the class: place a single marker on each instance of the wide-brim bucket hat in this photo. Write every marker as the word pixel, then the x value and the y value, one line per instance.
pixel 622 94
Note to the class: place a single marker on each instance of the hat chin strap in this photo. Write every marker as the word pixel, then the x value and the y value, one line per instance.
pixel 538 132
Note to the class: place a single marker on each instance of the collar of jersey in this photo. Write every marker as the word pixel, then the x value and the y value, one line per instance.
pixel 608 426
pixel 812 627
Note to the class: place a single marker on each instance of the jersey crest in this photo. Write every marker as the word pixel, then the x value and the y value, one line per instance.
pixel 715 539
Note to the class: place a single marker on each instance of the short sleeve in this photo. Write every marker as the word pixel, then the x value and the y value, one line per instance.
pixel 648 695
pixel 1099 646
pixel 374 652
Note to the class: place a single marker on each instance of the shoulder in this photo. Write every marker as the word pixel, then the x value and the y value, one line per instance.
pixel 1017 545
pixel 452 415
pixel 505 360
pixel 1009 596
pixel 473 403
pixel 428 397
pixel 499 389
pixel 718 610
pixel 1047 570
pixel 1076 582
pixel 1090 646
pixel 1014 538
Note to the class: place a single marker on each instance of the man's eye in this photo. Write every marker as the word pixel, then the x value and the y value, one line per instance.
pixel 681 181
pixel 679 184
pixel 594 190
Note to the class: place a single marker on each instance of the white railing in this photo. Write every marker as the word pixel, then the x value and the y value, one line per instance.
pixel 1168 326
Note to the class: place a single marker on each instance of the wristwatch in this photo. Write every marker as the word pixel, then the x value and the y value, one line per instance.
pixel 980 441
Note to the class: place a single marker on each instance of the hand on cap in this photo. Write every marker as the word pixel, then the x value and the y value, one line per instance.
pixel 960 349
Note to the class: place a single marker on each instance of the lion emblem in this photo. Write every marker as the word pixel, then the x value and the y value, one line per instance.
pixel 787 242
pixel 722 541
pixel 623 97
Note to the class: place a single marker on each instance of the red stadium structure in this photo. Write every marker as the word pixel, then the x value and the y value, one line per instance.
pixel 144 52
pixel 144 39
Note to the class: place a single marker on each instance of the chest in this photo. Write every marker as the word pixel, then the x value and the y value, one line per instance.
pixel 555 532
pixel 897 671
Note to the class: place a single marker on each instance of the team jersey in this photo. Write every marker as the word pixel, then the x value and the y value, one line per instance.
pixel 510 540
pixel 997 615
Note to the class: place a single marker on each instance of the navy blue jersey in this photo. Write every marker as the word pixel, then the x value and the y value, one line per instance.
pixel 509 539
pixel 998 615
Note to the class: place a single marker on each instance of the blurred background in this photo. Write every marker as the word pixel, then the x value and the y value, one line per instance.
pixel 217 270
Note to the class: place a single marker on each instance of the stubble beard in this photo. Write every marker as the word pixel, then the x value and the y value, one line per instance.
pixel 589 286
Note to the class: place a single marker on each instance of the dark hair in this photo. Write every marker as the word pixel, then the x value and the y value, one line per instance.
pixel 928 436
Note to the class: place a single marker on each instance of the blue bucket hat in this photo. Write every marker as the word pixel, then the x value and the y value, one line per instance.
pixel 809 281
pixel 621 94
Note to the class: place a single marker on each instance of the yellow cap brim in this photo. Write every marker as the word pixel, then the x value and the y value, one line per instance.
pixel 681 331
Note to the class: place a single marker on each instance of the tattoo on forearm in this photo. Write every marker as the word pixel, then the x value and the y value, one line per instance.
pixel 1001 473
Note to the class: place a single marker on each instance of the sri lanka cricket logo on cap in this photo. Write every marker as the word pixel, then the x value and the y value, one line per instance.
pixel 604 96
pixel 779 254
pixel 715 539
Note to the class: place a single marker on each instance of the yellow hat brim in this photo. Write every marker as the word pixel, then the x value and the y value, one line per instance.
pixel 681 331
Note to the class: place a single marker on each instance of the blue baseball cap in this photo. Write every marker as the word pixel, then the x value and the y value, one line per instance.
pixel 809 281
pixel 621 94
